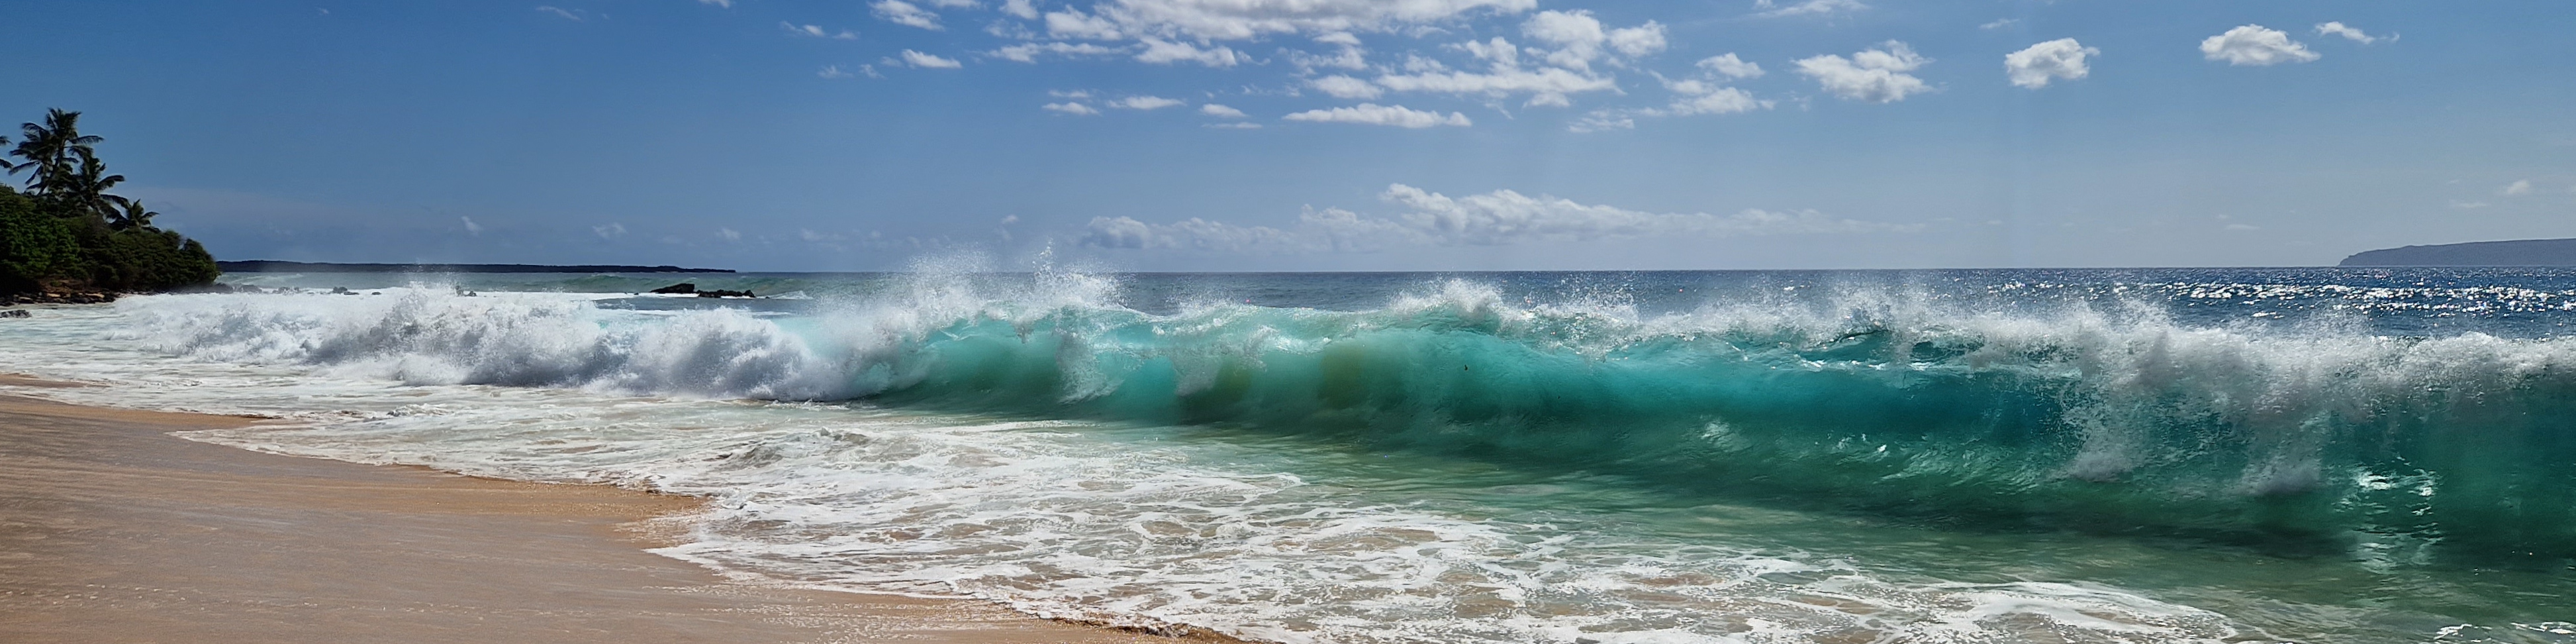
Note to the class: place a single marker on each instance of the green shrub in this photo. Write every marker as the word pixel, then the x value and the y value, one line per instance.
pixel 35 245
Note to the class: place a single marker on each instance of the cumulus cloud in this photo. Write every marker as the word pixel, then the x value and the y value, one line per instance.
pixel 1220 111
pixel 918 59
pixel 1248 19
pixel 1875 75
pixel 1375 114
pixel 1162 52
pixel 2518 188
pixel 835 72
pixel 1697 98
pixel 2349 33
pixel 1347 54
pixel 1145 103
pixel 1729 66
pixel 1501 217
pixel 1340 86
pixel 1022 9
pixel 1704 94
pixel 2036 65
pixel 1073 108
pixel 1807 8
pixel 2255 45
pixel 1582 40
pixel 906 14
pixel 817 31
pixel 1029 52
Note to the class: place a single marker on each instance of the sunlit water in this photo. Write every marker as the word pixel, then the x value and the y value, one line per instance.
pixel 1974 456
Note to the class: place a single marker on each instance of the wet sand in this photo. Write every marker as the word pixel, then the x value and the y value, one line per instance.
pixel 111 530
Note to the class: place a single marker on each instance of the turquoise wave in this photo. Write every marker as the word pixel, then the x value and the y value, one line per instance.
pixel 2427 448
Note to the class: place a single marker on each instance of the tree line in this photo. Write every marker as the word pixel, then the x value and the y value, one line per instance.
pixel 64 234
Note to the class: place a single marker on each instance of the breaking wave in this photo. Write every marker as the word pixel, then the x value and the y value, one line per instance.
pixel 2087 417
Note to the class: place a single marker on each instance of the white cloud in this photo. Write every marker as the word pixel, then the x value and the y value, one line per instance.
pixel 1999 24
pixel 1547 86
pixel 1698 98
pixel 835 71
pixel 1340 86
pixel 2349 33
pixel 1639 40
pixel 1070 23
pixel 2518 188
pixel 1162 52
pixel 1077 109
pixel 1349 56
pixel 1731 67
pixel 1220 111
pixel 2255 45
pixel 1233 126
pixel 1501 217
pixel 559 13
pixel 1145 103
pixel 1571 30
pixel 1807 8
pixel 1876 75
pixel 918 59
pixel 2468 205
pixel 1022 9
pixel 611 231
pixel 728 233
pixel 1580 39
pixel 471 228
pixel 906 14
pixel 2036 65
pixel 1248 19
pixel 817 31
pixel 728 4
pixel 1375 114
pixel 1723 100
pixel 1029 52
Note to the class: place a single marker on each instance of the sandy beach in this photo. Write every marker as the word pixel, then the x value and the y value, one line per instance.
pixel 112 530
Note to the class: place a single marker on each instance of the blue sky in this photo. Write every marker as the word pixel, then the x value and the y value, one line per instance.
pixel 1321 134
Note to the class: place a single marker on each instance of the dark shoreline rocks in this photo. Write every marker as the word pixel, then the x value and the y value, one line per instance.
pixel 686 288
pixel 59 297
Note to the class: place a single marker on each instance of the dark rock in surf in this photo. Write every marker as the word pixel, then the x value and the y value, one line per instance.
pixel 683 288
pixel 14 313
pixel 725 293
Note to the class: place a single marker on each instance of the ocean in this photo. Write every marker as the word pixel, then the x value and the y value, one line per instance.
pixel 2147 455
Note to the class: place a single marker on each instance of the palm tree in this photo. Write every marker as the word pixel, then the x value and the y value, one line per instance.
pixel 56 150
pixel 133 215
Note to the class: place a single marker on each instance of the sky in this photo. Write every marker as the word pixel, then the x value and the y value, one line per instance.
pixel 792 135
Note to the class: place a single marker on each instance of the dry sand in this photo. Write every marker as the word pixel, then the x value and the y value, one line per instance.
pixel 111 530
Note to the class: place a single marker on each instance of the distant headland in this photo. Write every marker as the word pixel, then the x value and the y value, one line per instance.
pixel 272 266
pixel 2521 252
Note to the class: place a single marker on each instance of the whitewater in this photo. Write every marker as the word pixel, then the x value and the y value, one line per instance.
pixel 2171 455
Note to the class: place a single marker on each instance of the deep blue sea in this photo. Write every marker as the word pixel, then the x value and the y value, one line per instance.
pixel 2114 455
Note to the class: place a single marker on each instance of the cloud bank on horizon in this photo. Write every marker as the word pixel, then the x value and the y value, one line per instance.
pixel 1851 128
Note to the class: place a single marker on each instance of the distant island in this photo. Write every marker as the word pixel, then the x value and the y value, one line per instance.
pixel 2522 252
pixel 272 266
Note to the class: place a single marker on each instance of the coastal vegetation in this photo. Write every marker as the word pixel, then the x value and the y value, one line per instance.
pixel 65 238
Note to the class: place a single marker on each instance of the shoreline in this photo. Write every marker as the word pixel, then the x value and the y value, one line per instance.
pixel 113 529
